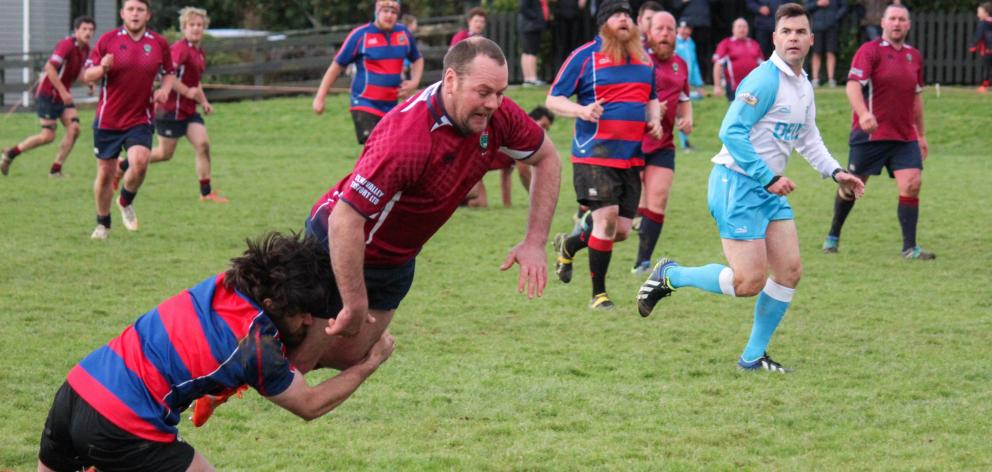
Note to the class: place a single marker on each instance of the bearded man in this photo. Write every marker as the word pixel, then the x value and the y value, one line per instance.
pixel 615 87
pixel 671 77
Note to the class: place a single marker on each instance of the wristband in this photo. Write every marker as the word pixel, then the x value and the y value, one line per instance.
pixel 772 182
pixel 833 175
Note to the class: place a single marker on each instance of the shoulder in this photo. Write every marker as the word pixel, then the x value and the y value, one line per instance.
pixel 763 81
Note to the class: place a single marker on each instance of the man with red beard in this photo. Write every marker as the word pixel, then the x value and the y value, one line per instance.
pixel 614 84
pixel 671 76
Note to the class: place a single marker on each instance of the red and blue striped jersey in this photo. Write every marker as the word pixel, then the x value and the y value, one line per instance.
pixel 378 56
pixel 204 340
pixel 625 88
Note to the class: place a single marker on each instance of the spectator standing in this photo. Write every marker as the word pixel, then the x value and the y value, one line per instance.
pixel 734 59
pixel 871 22
pixel 532 20
pixel 685 48
pixel 826 27
pixel 567 27
pixel 696 14
pixel 475 22
pixel 982 43
pixel 764 22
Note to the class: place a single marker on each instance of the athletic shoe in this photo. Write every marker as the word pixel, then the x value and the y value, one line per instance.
pixel 100 232
pixel 563 264
pixel 655 287
pixel 213 197
pixel 918 253
pixel 762 363
pixel 129 217
pixel 204 406
pixel 5 162
pixel 534 83
pixel 642 269
pixel 830 245
pixel 832 83
pixel 56 175
pixel 601 301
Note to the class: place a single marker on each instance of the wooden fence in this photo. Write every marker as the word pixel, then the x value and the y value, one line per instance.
pixel 294 61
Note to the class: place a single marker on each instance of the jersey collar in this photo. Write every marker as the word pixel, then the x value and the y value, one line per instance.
pixel 435 106
pixel 782 66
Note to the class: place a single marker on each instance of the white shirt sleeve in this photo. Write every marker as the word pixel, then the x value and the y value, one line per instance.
pixel 810 146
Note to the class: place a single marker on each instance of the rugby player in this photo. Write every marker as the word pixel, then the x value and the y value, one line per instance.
pixel 885 76
pixel 126 61
pixel 613 80
pixel 119 407
pixel 177 117
pixel 377 49
pixel 54 99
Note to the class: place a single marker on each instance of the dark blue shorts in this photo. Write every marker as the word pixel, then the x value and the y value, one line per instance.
pixel 108 143
pixel 385 286
pixel 168 126
pixel 49 109
pixel 661 158
pixel 869 158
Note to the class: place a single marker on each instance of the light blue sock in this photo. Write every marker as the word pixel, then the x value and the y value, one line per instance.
pixel 682 140
pixel 715 278
pixel 769 309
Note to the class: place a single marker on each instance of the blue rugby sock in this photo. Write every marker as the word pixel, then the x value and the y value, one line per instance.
pixel 769 309
pixel 715 278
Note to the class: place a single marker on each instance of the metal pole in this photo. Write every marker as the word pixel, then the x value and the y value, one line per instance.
pixel 26 47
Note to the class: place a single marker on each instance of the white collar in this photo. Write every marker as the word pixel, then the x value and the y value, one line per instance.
pixel 782 66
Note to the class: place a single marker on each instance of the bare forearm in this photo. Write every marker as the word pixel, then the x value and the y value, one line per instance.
pixel 346 237
pixel 331 76
pixel 654 111
pixel 562 106
pixel 918 115
pixel 332 392
pixel 168 82
pixel 417 71
pixel 93 74
pixel 53 78
pixel 544 186
pixel 717 74
pixel 855 97
pixel 684 110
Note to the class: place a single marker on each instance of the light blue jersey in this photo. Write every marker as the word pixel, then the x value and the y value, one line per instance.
pixel 773 113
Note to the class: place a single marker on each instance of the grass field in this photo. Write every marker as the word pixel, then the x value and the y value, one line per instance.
pixel 892 358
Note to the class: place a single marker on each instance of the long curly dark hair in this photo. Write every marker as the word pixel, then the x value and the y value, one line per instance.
pixel 292 270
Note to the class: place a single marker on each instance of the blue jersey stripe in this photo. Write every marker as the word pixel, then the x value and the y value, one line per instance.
pixel 106 367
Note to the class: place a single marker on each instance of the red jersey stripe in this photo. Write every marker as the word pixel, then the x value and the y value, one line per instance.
pixel 384 66
pixel 112 409
pixel 174 314
pixel 621 130
pixel 128 347
pixel 376 92
pixel 637 92
pixel 607 162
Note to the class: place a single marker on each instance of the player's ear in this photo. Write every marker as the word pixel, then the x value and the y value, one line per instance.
pixel 267 304
pixel 449 80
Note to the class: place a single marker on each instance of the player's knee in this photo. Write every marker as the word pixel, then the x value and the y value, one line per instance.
pixel 748 285
pixel 203 149
pixel 912 187
pixel 790 276
pixel 73 131
pixel 47 135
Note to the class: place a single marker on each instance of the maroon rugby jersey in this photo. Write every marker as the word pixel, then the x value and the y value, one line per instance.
pixel 189 62
pixel 417 167
pixel 890 79
pixel 671 81
pixel 126 97
pixel 739 58
pixel 68 59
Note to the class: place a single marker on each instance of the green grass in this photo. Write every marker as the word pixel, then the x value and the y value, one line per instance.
pixel 891 357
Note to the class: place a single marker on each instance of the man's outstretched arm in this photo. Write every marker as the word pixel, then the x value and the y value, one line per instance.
pixel 530 253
